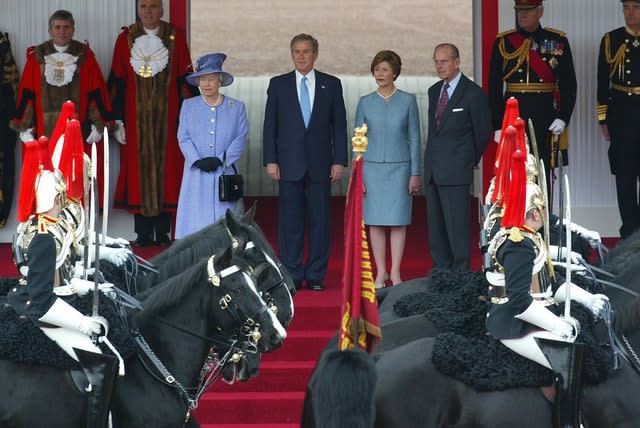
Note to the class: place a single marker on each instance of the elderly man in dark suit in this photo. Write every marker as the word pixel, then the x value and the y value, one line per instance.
pixel 305 150
pixel 459 130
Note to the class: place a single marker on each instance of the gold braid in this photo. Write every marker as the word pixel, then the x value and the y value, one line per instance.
pixel 618 60
pixel 521 54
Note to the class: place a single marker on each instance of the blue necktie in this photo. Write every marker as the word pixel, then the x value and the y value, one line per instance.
pixel 305 104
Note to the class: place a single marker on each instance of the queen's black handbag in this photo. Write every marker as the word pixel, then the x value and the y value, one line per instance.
pixel 230 186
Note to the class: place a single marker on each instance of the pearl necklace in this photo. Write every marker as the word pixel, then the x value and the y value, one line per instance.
pixel 385 98
pixel 216 104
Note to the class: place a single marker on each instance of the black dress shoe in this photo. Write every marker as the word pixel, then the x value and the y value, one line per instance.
pixel 143 240
pixel 315 285
pixel 163 240
pixel 298 283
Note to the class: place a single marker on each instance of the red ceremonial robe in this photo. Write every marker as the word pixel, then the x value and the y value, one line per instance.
pixel 39 102
pixel 150 161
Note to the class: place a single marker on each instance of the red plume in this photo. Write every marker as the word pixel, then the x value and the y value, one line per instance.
pixel 31 167
pixel 501 188
pixel 516 202
pixel 67 113
pixel 511 112
pixel 72 160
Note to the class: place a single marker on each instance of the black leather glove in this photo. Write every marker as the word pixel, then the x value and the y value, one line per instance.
pixel 209 164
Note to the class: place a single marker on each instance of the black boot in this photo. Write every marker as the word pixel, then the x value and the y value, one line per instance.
pixel 566 361
pixel 101 371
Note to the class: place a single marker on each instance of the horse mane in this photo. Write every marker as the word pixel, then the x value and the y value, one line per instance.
pixel 342 389
pixel 624 253
pixel 627 317
pixel 202 243
pixel 171 291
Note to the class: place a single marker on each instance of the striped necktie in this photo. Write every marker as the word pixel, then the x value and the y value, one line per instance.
pixel 442 104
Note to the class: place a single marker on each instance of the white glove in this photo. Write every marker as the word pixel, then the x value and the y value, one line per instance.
pixel 120 242
pixel 557 126
pixel 89 326
pixel 119 133
pixel 26 136
pixel 591 235
pixel 82 286
pixel 496 135
pixel 598 304
pixel 64 315
pixel 567 328
pixel 560 255
pixel 538 315
pixel 117 256
pixel 95 135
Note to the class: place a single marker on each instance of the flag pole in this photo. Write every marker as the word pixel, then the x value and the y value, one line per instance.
pixel 359 326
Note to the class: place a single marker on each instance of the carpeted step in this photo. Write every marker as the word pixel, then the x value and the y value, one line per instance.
pixel 301 346
pixel 315 318
pixel 250 407
pixel 274 376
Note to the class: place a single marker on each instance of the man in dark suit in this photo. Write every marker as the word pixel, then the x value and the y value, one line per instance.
pixel 459 130
pixel 305 150
pixel 619 109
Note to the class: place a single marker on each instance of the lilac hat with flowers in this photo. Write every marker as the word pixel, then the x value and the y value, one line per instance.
pixel 207 64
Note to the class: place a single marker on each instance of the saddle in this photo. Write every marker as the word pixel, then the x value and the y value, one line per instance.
pixel 485 364
pixel 22 341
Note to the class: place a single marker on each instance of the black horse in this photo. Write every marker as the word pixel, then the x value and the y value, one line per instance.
pixel 212 303
pixel 276 285
pixel 411 392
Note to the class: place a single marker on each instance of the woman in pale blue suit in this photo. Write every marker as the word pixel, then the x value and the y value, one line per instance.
pixel 391 169
pixel 211 127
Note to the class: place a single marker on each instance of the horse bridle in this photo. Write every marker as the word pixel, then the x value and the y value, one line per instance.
pixel 212 367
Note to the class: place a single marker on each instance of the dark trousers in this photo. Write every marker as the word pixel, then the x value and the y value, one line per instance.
pixel 449 226
pixel 301 202
pixel 147 225
pixel 627 190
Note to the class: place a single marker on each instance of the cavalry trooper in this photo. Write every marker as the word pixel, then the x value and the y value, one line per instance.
pixel 36 297
pixel 519 315
pixel 534 65
pixel 619 110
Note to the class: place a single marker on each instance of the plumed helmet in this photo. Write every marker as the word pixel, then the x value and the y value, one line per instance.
pixel 46 189
pixel 67 112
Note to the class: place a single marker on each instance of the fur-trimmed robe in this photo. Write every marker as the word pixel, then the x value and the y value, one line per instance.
pixel 39 103
pixel 8 89
pixel 150 161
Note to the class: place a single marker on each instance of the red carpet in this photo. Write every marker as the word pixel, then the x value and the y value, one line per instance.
pixel 274 398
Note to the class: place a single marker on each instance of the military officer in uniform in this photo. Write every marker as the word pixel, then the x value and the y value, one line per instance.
pixel 619 110
pixel 45 236
pixel 523 289
pixel 534 65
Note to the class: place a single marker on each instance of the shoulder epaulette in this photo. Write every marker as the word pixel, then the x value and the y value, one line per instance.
pixel 44 222
pixel 504 33
pixel 558 32
pixel 515 235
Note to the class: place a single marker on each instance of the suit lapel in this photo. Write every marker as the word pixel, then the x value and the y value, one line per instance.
pixel 292 89
pixel 318 96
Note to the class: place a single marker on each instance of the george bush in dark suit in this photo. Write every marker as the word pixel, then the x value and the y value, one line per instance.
pixel 305 150
pixel 459 130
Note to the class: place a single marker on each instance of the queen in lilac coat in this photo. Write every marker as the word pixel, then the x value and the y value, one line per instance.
pixel 207 131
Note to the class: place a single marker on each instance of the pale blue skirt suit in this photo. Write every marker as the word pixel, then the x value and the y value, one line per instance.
pixel 392 156
pixel 206 131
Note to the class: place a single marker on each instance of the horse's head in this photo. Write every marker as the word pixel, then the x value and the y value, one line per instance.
pixel 273 281
pixel 243 309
